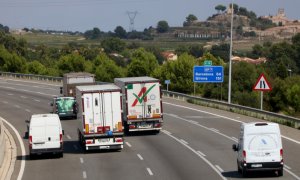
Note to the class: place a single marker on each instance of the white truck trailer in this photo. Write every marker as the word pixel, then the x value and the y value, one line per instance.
pixel 100 116
pixel 141 103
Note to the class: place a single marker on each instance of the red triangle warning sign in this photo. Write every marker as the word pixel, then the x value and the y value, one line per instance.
pixel 262 84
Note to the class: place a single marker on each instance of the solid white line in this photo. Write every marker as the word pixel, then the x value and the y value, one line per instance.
pixel 234 138
pixel 184 141
pixel 150 172
pixel 128 144
pixel 84 175
pixel 167 132
pixel 213 129
pixel 69 137
pixel 286 166
pixel 201 153
pixel 27 110
pixel 81 160
pixel 23 152
pixel 141 158
pixel 194 151
pixel 291 173
pixel 219 168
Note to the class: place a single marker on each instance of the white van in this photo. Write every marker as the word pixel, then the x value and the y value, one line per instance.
pixel 45 135
pixel 259 148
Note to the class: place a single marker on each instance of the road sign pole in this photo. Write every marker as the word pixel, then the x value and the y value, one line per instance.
pixel 261 99
pixel 167 87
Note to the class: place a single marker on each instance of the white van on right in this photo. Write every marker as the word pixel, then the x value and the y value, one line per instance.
pixel 259 148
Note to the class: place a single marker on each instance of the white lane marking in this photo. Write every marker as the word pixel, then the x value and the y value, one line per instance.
pixel 24 97
pixel 75 147
pixel 84 175
pixel 23 152
pixel 69 137
pixel 219 168
pixel 128 144
pixel 10 94
pixel 184 141
pixel 81 160
pixel 213 129
pixel 234 139
pixel 194 151
pixel 167 132
pixel 150 172
pixel 17 106
pixel 231 119
pixel 286 166
pixel 238 117
pixel 27 110
pixel 291 173
pixel 37 100
pixel 193 122
pixel 205 128
pixel 53 95
pixel 141 158
pixel 5 102
pixel 201 153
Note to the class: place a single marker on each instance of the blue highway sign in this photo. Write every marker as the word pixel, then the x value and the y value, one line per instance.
pixel 208 74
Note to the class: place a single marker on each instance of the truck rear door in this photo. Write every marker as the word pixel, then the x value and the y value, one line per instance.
pixel 144 100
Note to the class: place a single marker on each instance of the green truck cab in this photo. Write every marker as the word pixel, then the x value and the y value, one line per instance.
pixel 65 107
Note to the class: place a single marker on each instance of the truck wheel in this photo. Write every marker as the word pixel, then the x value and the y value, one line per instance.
pixel 61 155
pixel 32 156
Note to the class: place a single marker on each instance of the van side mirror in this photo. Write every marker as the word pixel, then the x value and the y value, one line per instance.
pixel 235 147
pixel 63 132
pixel 27 121
pixel 61 90
pixel 26 136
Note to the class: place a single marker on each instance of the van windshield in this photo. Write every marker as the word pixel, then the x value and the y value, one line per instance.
pixel 258 142
pixel 65 104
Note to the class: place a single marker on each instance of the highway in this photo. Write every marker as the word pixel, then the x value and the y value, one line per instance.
pixel 195 143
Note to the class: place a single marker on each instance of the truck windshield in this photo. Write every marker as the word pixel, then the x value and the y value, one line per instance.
pixel 65 104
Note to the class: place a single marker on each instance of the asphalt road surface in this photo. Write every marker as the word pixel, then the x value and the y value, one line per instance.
pixel 195 143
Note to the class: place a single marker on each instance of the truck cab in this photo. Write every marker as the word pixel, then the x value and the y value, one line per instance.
pixel 65 107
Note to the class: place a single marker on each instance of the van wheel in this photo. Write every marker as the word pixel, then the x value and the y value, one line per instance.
pixel 244 173
pixel 61 155
pixel 280 172
pixel 239 169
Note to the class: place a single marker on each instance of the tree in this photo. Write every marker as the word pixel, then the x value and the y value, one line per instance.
pixel 71 63
pixel 162 26
pixel 142 63
pixel 221 8
pixel 93 34
pixel 120 32
pixel 113 44
pixel 190 19
pixel 36 67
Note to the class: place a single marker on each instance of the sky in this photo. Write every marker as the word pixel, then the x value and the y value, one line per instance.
pixel 82 15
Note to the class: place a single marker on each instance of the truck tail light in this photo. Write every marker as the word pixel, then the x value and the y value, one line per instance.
pixel 61 138
pixel 132 126
pixel 119 139
pixel 157 125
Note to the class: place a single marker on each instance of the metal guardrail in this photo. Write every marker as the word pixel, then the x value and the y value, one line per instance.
pixel 32 77
pixel 253 112
pixel 257 113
